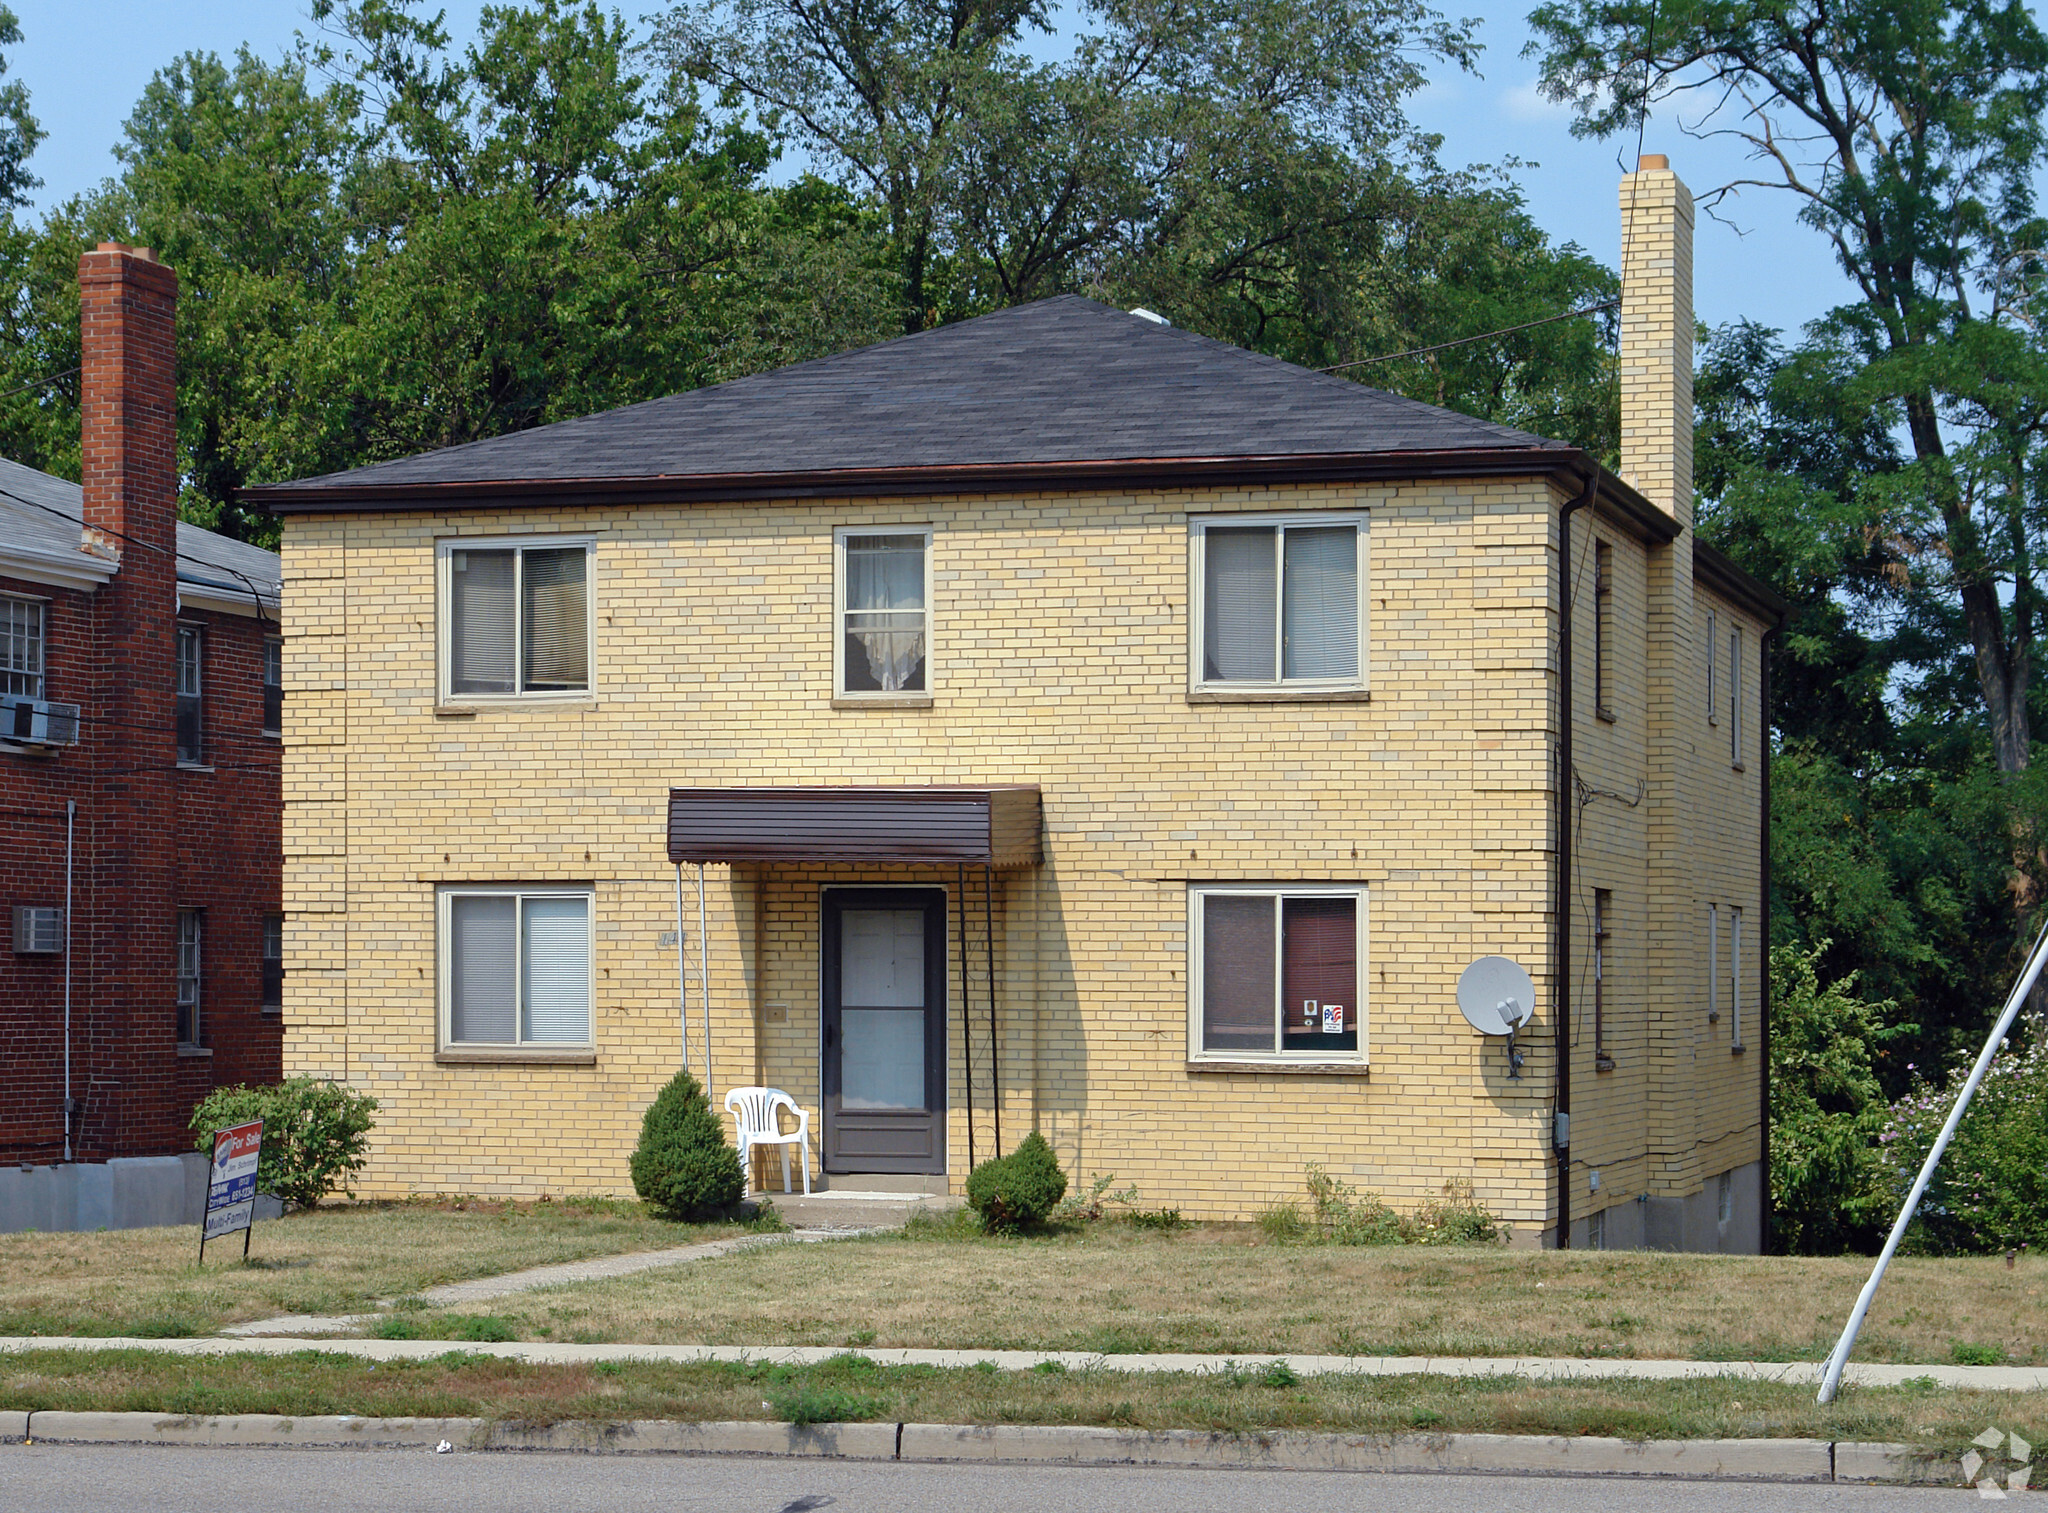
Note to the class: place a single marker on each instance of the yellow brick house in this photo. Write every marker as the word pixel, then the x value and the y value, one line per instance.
pixel 1060 721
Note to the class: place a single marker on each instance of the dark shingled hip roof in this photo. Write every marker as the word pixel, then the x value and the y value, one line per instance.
pixel 1052 389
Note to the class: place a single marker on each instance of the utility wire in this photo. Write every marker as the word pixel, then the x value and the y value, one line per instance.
pixel 39 383
pixel 1466 341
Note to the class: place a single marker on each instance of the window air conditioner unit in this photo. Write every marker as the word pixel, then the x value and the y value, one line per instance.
pixel 38 932
pixel 39 722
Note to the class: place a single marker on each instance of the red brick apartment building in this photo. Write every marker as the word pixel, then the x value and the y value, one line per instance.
pixel 140 712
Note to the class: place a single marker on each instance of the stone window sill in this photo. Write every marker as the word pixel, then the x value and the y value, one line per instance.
pixel 1279 696
pixel 195 766
pixel 884 701
pixel 17 748
pixel 202 1051
pixel 514 1055
pixel 1285 1068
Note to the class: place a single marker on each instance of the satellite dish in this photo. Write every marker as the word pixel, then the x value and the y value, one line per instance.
pixel 1496 996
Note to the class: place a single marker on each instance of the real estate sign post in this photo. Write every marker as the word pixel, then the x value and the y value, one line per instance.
pixel 231 1188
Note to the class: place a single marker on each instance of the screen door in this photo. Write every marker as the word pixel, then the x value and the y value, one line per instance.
pixel 884 1028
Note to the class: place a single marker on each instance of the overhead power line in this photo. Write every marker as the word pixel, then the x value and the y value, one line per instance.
pixel 1466 341
pixel 38 383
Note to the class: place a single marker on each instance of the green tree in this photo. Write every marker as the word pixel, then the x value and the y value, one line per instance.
pixel 1827 1106
pixel 19 130
pixel 1910 134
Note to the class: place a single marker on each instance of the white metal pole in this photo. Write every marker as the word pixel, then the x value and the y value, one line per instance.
pixel 682 971
pixel 70 822
pixel 704 975
pixel 1831 1379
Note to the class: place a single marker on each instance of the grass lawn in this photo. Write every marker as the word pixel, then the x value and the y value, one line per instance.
pixel 1228 1290
pixel 467 1385
pixel 334 1259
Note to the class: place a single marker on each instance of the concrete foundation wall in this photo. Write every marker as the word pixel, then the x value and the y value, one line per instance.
pixel 136 1192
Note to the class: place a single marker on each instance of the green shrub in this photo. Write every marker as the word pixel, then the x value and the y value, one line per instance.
pixel 1828 1195
pixel 315 1134
pixel 1990 1191
pixel 1017 1190
pixel 683 1165
pixel 1457 1218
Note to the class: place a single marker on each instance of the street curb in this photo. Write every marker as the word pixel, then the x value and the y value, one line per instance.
pixel 1776 1460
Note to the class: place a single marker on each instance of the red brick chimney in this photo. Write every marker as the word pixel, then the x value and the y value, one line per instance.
pixel 128 305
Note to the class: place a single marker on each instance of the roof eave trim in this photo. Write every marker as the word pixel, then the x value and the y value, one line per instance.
pixel 81 571
pixel 1618 501
pixel 1744 590
pixel 976 479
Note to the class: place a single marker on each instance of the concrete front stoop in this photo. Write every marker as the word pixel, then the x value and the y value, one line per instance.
pixel 1776 1460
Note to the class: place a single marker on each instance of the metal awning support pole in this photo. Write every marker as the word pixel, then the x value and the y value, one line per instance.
pixel 682 972
pixel 995 1044
pixel 704 975
pixel 966 1019
pixel 1831 1379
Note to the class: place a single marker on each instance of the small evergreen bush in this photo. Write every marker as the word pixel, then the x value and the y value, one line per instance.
pixel 315 1134
pixel 683 1165
pixel 1017 1190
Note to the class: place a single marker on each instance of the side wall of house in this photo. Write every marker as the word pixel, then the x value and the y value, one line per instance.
pixel 1060 653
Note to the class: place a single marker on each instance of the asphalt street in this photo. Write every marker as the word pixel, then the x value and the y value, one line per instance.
pixel 156 1479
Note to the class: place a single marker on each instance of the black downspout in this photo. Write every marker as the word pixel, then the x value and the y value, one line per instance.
pixel 1764 943
pixel 1561 913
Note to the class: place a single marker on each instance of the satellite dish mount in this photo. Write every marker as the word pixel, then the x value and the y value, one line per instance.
pixel 1497 998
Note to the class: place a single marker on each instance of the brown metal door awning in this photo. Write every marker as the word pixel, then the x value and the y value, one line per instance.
pixel 996 826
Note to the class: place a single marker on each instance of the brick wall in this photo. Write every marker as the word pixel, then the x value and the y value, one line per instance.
pixel 1061 649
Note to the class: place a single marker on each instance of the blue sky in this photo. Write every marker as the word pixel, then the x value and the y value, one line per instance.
pixel 85 66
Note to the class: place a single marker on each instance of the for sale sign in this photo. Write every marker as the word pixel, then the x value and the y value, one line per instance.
pixel 231 1189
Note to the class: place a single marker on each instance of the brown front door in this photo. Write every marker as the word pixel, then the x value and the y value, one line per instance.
pixel 884 1026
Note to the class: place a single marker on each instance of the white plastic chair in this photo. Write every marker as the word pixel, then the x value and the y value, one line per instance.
pixel 756 1115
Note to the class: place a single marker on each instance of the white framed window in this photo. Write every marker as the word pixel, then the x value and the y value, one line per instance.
pixel 1713 963
pixel 1735 697
pixel 515 617
pixel 1279 602
pixel 1713 684
pixel 882 582
pixel 1276 973
pixel 190 713
pixel 21 647
pixel 1735 979
pixel 515 966
pixel 191 939
pixel 273 685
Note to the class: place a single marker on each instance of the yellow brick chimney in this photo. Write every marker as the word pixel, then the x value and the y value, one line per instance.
pixel 1656 335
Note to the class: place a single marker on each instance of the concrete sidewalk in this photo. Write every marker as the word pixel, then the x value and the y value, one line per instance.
pixel 1978 1378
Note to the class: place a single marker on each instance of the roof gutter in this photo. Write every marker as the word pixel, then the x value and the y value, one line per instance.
pixel 347 498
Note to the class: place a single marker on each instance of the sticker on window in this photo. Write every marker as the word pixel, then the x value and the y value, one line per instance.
pixel 1333 1019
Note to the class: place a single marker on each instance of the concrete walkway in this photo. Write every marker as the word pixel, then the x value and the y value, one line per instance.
pixel 480 1289
pixel 1979 1378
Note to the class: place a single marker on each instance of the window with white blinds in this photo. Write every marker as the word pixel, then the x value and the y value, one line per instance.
pixel 515 618
pixel 515 967
pixel 21 647
pixel 1281 602
pixel 1277 974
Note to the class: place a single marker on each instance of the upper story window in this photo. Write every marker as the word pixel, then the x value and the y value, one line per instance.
pixel 1280 602
pixel 515 618
pixel 1735 696
pixel 273 685
pixel 884 598
pixel 515 966
pixel 21 648
pixel 1603 917
pixel 1603 630
pixel 191 724
pixel 1713 680
pixel 1276 974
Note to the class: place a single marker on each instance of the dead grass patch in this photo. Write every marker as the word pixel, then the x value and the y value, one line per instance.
pixel 338 1258
pixel 1223 1290
pixel 467 1385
